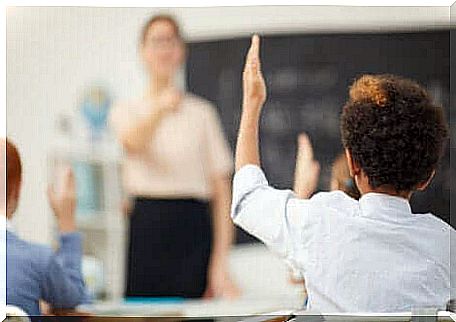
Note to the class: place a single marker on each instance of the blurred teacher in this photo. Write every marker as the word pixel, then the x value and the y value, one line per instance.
pixel 177 170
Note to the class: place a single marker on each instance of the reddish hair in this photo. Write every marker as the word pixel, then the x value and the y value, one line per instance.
pixel 13 169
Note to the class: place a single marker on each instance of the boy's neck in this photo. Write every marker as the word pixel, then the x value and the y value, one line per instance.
pixel 362 182
pixel 388 191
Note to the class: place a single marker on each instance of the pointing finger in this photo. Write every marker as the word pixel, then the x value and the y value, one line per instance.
pixel 252 59
pixel 255 47
pixel 255 54
pixel 248 59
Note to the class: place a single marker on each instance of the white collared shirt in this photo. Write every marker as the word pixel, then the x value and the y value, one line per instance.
pixel 371 255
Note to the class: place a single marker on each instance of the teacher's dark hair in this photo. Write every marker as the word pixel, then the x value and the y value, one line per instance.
pixel 394 131
pixel 160 18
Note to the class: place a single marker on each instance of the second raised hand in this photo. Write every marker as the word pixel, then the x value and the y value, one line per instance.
pixel 253 82
pixel 307 170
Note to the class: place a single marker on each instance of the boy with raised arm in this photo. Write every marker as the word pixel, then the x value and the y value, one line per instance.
pixel 371 255
pixel 35 272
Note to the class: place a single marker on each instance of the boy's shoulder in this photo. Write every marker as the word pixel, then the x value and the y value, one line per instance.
pixel 334 199
pixel 435 222
pixel 326 204
pixel 38 255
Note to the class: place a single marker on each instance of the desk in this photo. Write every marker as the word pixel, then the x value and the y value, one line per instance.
pixel 196 308
pixel 272 309
pixel 277 316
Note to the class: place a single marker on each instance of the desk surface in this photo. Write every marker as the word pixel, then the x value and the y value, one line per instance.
pixel 195 308
pixel 253 310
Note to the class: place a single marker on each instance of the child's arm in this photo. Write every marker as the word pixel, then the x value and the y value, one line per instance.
pixel 269 214
pixel 62 283
pixel 247 150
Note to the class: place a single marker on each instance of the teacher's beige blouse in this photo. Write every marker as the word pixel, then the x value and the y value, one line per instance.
pixel 187 149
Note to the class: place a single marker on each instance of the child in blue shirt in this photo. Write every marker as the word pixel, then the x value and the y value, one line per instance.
pixel 36 272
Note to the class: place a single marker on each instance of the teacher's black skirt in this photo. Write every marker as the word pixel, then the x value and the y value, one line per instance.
pixel 169 248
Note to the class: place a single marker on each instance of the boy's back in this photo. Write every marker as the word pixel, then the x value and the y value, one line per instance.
pixel 378 246
pixel 26 266
pixel 371 255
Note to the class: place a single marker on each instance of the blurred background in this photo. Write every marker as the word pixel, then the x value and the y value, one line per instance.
pixel 66 66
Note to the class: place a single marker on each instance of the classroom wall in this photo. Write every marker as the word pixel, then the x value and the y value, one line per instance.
pixel 54 53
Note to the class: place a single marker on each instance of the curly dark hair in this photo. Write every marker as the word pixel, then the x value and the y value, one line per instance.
pixel 393 130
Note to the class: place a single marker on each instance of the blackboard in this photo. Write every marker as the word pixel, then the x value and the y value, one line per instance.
pixel 307 77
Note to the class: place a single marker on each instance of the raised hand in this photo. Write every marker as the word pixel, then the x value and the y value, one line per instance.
pixel 247 147
pixel 63 202
pixel 253 82
pixel 307 169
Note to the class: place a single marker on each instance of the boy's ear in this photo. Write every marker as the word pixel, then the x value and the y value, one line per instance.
pixel 425 184
pixel 352 166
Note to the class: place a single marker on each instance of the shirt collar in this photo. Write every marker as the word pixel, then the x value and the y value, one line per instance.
pixel 373 203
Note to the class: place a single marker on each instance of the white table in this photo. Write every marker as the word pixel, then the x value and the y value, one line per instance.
pixel 195 308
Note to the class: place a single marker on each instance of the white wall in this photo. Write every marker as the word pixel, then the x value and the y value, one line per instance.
pixel 54 53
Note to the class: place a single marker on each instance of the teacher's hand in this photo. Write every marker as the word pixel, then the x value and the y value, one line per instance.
pixel 169 101
pixel 220 284
pixel 253 82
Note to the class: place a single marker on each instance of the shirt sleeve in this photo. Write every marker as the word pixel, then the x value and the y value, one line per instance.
pixel 276 217
pixel 63 284
pixel 219 157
